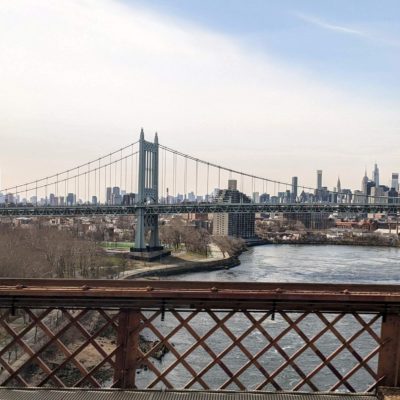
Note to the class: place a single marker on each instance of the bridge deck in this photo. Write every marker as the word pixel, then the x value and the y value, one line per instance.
pixel 110 394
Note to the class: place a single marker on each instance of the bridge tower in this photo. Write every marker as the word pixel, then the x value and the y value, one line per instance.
pixel 147 194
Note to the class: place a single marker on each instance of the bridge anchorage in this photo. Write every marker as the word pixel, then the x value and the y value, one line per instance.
pixel 147 195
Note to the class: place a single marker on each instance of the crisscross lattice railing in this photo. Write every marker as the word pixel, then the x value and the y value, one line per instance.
pixel 199 336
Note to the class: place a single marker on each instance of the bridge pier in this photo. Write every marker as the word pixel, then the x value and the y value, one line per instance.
pixel 147 194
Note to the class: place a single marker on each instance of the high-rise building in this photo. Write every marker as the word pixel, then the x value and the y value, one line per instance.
pixel 364 184
pixel 71 199
pixel 256 197
pixel 375 175
pixel 319 179
pixel 264 198
pixel 52 199
pixel 295 182
pixel 395 181
pixel 233 224
pixel 108 195
pixel 128 199
pixel 339 196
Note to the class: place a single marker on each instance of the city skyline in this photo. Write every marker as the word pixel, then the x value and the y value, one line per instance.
pixel 85 82
pixel 116 195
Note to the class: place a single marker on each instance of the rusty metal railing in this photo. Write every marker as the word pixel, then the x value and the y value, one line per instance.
pixel 199 335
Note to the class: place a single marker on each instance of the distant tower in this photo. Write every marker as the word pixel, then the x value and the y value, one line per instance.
pixel 319 179
pixel 376 175
pixel 339 190
pixel 364 184
pixel 294 188
pixel 395 181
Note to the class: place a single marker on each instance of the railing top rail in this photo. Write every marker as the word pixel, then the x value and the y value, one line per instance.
pixel 206 295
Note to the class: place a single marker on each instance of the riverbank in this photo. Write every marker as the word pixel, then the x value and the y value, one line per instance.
pixel 178 264
pixel 341 239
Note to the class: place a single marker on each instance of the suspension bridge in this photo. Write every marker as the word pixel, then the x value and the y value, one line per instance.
pixel 147 179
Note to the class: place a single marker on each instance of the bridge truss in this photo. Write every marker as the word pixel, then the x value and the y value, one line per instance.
pixel 200 208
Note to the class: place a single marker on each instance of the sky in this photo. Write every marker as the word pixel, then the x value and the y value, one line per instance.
pixel 275 88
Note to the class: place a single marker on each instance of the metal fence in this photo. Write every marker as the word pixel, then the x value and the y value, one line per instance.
pixel 197 335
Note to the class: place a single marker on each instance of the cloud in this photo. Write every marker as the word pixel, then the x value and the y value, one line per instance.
pixel 79 78
pixel 329 26
pixel 369 35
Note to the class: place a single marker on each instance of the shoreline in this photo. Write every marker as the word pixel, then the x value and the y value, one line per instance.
pixel 175 265
pixel 185 266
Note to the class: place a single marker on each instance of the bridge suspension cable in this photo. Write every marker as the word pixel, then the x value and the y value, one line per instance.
pixel 84 180
pixel 255 180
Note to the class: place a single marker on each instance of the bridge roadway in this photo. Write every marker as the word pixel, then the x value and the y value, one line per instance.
pixel 185 208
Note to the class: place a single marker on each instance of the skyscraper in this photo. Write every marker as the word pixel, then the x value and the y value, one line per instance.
pixel 108 195
pixel 338 185
pixel 364 184
pixel 319 179
pixel 339 191
pixel 375 175
pixel 295 181
pixel 395 181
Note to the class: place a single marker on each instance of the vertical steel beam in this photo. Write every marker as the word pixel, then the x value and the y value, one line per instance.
pixel 128 348
pixel 389 357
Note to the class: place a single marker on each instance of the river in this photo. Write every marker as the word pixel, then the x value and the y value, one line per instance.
pixel 310 263
pixel 284 263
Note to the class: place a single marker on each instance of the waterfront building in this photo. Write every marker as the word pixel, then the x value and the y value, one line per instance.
pixel 233 224
pixel 311 220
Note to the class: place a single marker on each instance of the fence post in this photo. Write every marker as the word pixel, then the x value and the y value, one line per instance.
pixel 128 347
pixel 389 357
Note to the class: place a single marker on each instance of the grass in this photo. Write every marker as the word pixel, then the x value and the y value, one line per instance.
pixel 116 245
